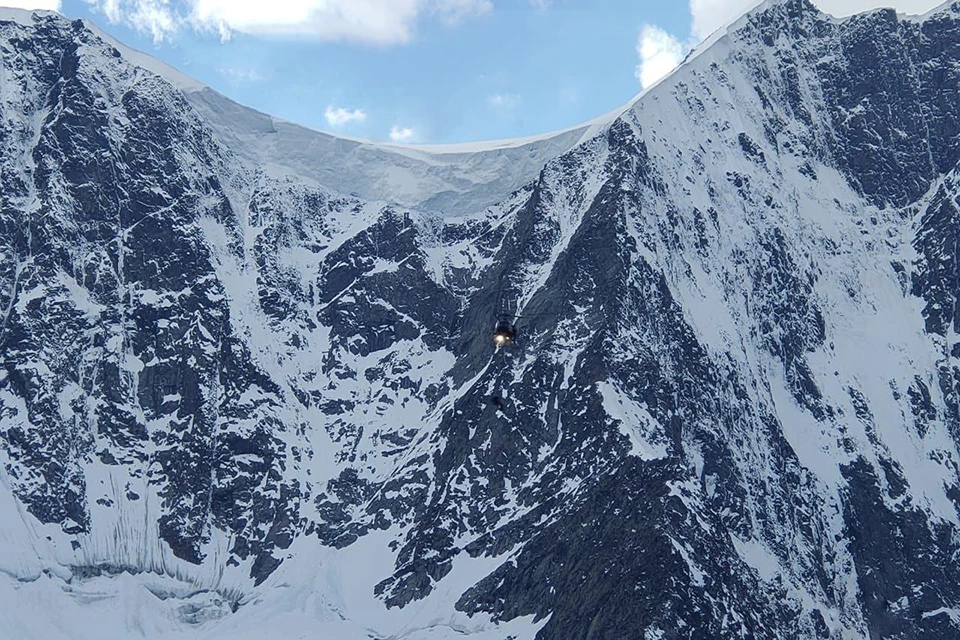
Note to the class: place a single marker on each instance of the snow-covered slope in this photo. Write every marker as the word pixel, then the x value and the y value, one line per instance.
pixel 447 179
pixel 237 400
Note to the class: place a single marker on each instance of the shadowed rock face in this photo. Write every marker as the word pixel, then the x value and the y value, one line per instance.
pixel 732 410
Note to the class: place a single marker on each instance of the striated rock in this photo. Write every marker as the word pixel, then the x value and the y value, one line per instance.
pixel 252 393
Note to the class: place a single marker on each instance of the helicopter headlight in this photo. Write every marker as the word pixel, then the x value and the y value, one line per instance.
pixel 500 339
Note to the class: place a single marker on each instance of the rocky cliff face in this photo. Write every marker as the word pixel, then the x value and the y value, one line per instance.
pixel 244 388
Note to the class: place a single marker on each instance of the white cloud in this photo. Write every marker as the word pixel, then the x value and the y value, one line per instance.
pixel 381 22
pixel 111 8
pixel 155 17
pixel 659 53
pixel 453 11
pixel 374 21
pixel 504 101
pixel 46 5
pixel 240 75
pixel 401 134
pixel 338 116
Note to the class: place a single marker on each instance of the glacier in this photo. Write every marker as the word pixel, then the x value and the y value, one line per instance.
pixel 245 367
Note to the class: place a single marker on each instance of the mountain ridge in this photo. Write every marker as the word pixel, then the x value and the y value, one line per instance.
pixel 233 397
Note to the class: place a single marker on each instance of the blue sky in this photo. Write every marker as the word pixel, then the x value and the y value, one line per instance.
pixel 423 71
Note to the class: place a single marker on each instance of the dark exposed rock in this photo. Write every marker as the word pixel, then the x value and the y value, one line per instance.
pixel 732 409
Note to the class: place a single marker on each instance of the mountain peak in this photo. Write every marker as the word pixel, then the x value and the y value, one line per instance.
pixel 25 16
pixel 249 387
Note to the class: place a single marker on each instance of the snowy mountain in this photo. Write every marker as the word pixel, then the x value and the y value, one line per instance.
pixel 247 368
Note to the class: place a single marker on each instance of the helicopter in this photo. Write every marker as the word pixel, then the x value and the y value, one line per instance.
pixel 505 334
pixel 505 330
